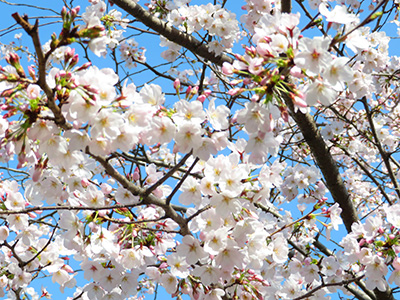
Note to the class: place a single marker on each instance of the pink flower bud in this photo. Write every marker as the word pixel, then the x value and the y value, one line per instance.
pixel 32 72
pixel 93 227
pixel 75 11
pixel 235 91
pixel 236 81
pixel 163 265
pixel 85 182
pixel 63 12
pixel 285 115
pixel 136 175
pixel 299 102
pixel 296 72
pixel 177 85
pixel 227 69
pixel 32 214
pixel 4 232
pixel 106 188
pixel 37 173
pixel 201 98
pixel 84 66
pixel 207 93
pixel 74 60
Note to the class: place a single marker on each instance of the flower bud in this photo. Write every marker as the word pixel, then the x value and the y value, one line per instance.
pixel 227 69
pixel 4 232
pixel 75 11
pixel 177 85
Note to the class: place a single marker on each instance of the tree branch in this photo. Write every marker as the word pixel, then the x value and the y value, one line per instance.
pixel 33 32
pixel 171 33
pixel 141 192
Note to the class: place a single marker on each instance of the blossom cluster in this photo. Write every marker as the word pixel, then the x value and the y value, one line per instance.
pixel 217 193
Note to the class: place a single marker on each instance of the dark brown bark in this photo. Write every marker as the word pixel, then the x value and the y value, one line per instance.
pixel 306 123
pixel 171 33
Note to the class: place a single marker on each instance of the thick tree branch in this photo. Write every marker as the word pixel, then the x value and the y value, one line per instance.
pixel 326 163
pixel 141 192
pixel 171 33
pixel 321 153
pixel 385 155
pixel 33 32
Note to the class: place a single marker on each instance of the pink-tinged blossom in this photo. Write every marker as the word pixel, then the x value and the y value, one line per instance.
pixel 338 15
pixel 395 276
pixel 42 130
pixel 99 46
pixel 92 269
pixel 54 147
pixel 216 240
pixel 169 282
pixel 188 136
pixel 18 221
pixel 208 221
pixel 132 258
pixel 81 109
pixel 227 69
pixel 94 291
pixel 140 116
pixel 178 265
pixel 125 197
pixel 209 274
pixel 3 126
pixel 291 289
pixel 106 124
pixel 71 223
pixel 338 72
pixel 231 182
pixel 15 201
pixel 254 116
pixel 279 43
pixel 313 55
pixel 278 248
pixel 190 249
pixel 334 213
pixel 215 294
pixel 152 94
pixel 61 276
pixel 373 282
pixel 93 197
pixel 393 215
pixel 320 91
pixel 104 242
pixel 261 144
pixel 255 65
pixel 189 112
pixel 33 91
pixel 205 149
pixel 21 278
pixel 225 204
pixel 162 130
pixel 153 273
pixel 100 146
pixel 310 272
pixel 110 278
pixel 127 138
pixel 190 192
pixel 4 232
pixel 218 117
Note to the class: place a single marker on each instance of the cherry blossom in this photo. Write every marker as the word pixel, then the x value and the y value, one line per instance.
pixel 184 161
